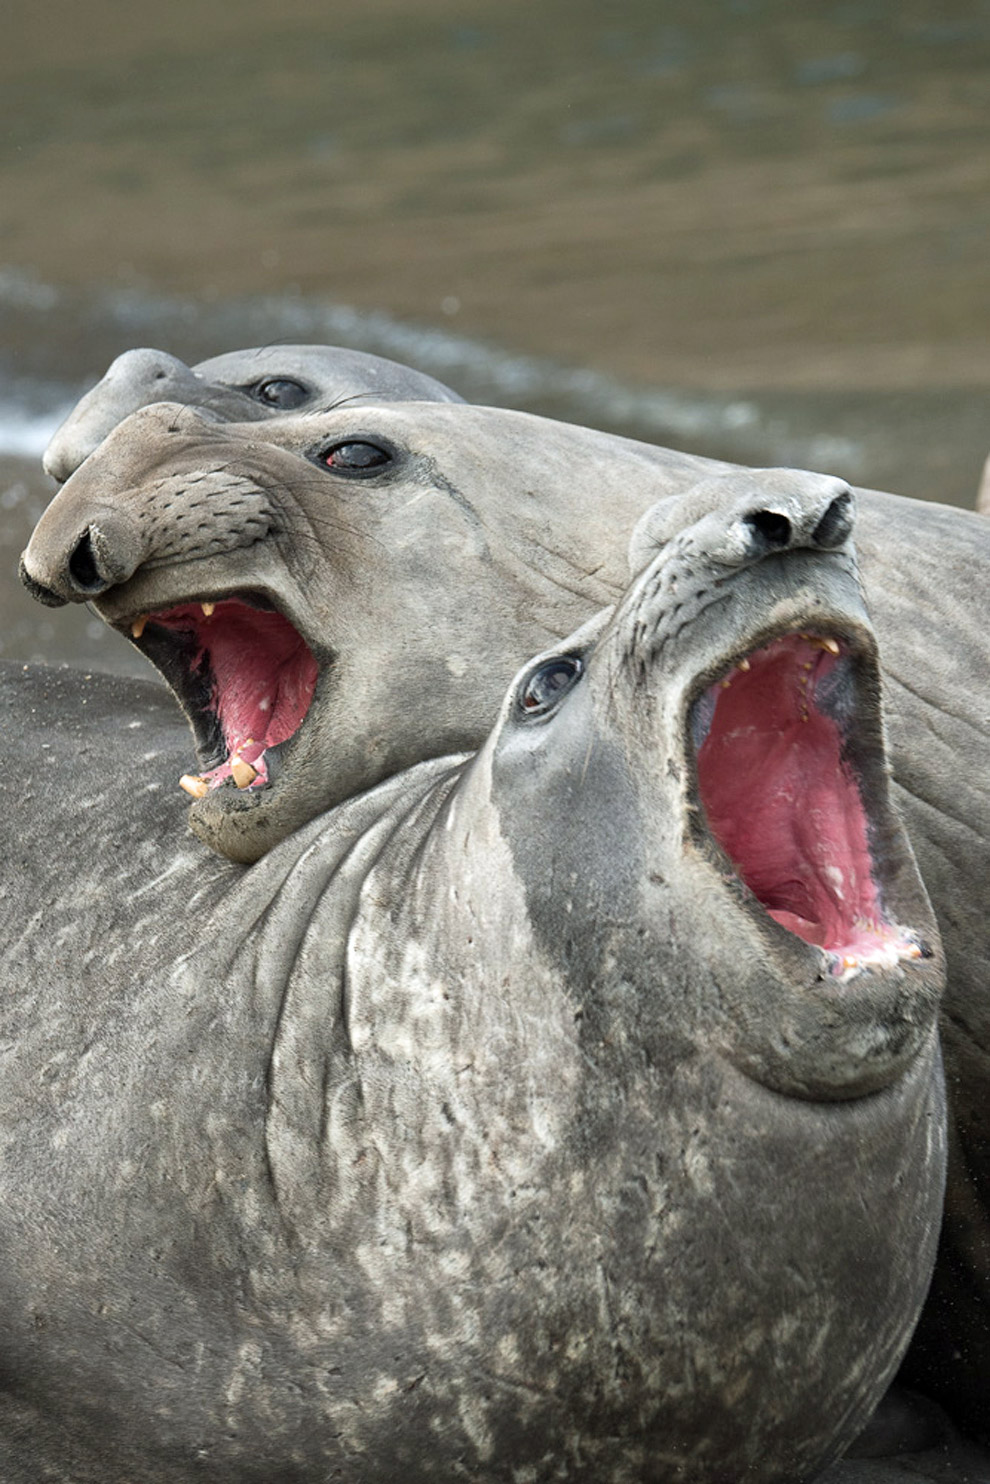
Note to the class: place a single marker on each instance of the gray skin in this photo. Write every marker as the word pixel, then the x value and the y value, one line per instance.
pixel 480 543
pixel 242 386
pixel 428 1148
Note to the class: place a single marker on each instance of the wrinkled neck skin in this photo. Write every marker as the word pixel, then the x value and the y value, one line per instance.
pixel 395 1172
pixel 527 1075
pixel 554 1030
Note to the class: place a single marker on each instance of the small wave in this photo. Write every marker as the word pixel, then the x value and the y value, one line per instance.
pixel 48 325
pixel 25 434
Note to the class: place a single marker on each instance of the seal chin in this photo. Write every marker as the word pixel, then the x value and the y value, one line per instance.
pixel 776 740
pixel 246 679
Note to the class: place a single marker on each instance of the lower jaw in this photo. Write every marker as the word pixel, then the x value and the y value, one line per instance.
pixel 246 768
pixel 242 825
pixel 866 945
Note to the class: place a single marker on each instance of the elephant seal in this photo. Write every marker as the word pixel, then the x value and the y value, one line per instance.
pixel 484 536
pixel 242 386
pixel 434 1145
pixel 304 592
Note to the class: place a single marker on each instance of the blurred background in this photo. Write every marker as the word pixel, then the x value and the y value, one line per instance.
pixel 753 228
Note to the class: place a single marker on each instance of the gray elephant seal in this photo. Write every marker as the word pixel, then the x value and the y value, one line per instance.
pixel 346 595
pixel 242 386
pixel 426 578
pixel 432 1146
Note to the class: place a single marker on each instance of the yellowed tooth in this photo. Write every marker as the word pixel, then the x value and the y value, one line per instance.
pixel 208 609
pixel 242 773
pixel 830 644
pixel 194 785
pixel 137 627
pixel 744 664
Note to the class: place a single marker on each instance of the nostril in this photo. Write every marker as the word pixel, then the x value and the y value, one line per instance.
pixel 836 523
pixel 83 569
pixel 774 528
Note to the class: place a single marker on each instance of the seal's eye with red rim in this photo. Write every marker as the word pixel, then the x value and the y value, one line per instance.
pixel 281 392
pixel 358 456
pixel 548 683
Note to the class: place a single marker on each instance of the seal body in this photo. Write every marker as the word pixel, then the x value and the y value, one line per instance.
pixel 482 536
pixel 429 1147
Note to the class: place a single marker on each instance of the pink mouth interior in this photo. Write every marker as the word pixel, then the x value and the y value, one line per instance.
pixel 785 805
pixel 263 677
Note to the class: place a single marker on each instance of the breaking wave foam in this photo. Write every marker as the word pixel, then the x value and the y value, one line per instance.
pixel 39 322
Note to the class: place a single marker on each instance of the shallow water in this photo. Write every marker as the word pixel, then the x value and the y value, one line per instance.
pixel 753 228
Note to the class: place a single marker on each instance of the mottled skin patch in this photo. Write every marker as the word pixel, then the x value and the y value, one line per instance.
pixel 386 1182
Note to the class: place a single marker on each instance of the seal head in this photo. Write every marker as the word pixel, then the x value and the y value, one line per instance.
pixel 766 725
pixel 242 386
pixel 303 588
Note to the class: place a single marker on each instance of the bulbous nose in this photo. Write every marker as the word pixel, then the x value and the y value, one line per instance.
pixel 96 532
pixel 747 514
pixel 135 379
pixel 815 521
pixel 58 568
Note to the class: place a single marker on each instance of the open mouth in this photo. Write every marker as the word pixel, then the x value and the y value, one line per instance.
pixel 244 676
pixel 784 801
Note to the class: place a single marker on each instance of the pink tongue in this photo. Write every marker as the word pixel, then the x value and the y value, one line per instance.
pixel 264 676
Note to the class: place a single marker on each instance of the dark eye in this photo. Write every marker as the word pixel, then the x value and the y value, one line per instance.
pixel 280 392
pixel 548 683
pixel 355 458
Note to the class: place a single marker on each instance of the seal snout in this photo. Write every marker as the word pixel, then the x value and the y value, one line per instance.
pixel 159 488
pixel 738 518
pixel 135 379
pixel 74 567
pixel 802 512
pixel 777 530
